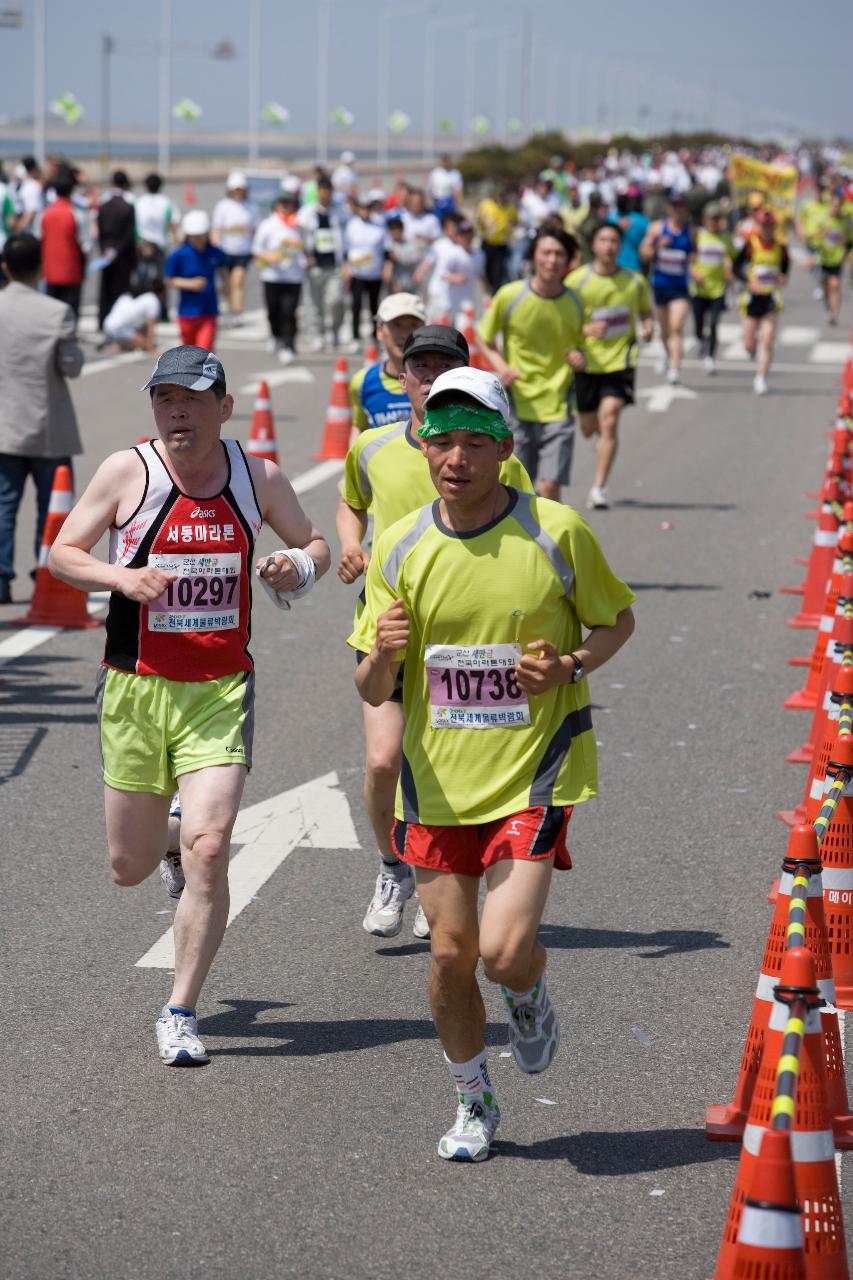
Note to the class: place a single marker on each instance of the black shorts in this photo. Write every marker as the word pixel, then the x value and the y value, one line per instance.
pixel 831 271
pixel 591 388
pixel 760 305
pixel 397 695
pixel 233 260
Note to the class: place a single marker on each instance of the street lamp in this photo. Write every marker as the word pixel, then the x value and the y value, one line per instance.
pixel 432 26
pixel 223 50
pixel 474 38
pixel 384 77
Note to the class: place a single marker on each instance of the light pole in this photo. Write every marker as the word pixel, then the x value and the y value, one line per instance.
pixel 165 87
pixel 433 25
pixel 254 80
pixel 383 80
pixel 39 32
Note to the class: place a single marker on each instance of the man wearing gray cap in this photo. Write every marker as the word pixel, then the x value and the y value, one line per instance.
pixel 375 393
pixel 176 688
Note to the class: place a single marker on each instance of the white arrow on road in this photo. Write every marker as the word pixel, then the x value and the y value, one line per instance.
pixel 660 398
pixel 316 815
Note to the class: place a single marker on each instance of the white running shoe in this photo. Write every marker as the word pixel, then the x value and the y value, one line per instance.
pixel 710 364
pixel 477 1119
pixel 817 293
pixel 271 345
pixel 354 347
pixel 673 377
pixel 597 499
pixel 421 926
pixel 534 1029
pixel 286 356
pixel 662 364
pixel 318 344
pixel 385 913
pixel 171 870
pixel 177 1039
pixel 759 385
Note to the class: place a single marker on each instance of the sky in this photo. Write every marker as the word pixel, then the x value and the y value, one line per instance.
pixel 762 69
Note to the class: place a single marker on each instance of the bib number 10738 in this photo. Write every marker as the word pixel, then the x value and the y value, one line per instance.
pixel 475 687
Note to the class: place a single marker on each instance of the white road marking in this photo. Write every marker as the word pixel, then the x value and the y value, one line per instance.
pixel 111 362
pixel 830 353
pixel 323 471
pixel 24 641
pixel 798 335
pixel 660 398
pixel 315 815
pixel 277 378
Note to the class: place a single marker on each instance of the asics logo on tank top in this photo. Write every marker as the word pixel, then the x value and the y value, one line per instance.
pixel 203 513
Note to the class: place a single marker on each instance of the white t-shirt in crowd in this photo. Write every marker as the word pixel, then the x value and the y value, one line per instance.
pixel 129 315
pixel 364 247
pixel 155 215
pixel 448 258
pixel 444 183
pixel 236 221
pixel 284 239
pixel 424 227
pixel 535 208
pixel 344 178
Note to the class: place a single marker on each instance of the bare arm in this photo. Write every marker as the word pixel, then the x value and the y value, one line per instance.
pixel 507 374
pixel 647 248
pixel 351 525
pixel 541 668
pixel 282 511
pixel 70 557
pixel 376 676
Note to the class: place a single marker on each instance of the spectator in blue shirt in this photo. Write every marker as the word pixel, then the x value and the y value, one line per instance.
pixel 191 269
pixel 634 225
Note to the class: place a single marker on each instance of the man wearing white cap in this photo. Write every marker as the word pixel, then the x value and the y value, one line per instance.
pixel 191 269
pixel 344 177
pixel 233 225
pixel 485 593
pixel 375 393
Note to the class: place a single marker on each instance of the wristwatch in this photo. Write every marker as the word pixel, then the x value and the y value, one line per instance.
pixel 579 671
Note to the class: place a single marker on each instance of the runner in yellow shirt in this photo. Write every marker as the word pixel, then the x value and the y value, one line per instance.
pixel 616 304
pixel 386 474
pixel 710 275
pixel 834 239
pixel 497 219
pixel 485 592
pixel 539 322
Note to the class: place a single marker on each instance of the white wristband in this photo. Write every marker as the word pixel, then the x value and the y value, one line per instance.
pixel 305 568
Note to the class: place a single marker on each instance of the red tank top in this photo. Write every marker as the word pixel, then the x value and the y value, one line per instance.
pixel 199 628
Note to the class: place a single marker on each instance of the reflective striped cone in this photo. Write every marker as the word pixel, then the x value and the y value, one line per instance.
pixel 338 424
pixel 824 543
pixel 837 696
pixel 770 1236
pixel 372 354
pixel 833 648
pixel 262 442
pixel 725 1123
pixel 837 468
pixel 842 563
pixel 812 1146
pixel 56 603
pixel 836 852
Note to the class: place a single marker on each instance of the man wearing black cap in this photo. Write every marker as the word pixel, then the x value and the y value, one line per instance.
pixel 175 692
pixel 387 473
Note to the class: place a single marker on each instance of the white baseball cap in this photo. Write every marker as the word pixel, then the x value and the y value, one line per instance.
pixel 347 157
pixel 400 304
pixel 291 185
pixel 481 386
pixel 236 181
pixel 375 196
pixel 195 223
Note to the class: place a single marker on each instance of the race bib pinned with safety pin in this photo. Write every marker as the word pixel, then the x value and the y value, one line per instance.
pixel 474 686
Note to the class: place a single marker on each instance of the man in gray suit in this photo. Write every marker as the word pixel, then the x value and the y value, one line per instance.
pixel 38 426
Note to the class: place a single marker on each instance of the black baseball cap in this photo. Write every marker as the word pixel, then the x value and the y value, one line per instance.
pixel 437 337
pixel 188 366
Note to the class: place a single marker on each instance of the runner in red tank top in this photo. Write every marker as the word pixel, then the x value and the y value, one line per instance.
pixel 176 687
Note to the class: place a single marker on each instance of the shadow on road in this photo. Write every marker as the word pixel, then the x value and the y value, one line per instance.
pixel 643 504
pixel 405 949
pixel 616 1154
pixel 673 586
pixel 302 1038
pixel 649 946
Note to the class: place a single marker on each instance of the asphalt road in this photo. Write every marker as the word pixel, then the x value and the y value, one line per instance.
pixel 307 1148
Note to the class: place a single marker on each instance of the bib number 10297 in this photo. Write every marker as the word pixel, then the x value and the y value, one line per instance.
pixel 201 592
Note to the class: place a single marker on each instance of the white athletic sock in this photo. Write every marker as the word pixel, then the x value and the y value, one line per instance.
pixel 470 1077
pixel 534 996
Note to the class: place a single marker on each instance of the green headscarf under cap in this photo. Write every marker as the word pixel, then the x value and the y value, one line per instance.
pixel 463 417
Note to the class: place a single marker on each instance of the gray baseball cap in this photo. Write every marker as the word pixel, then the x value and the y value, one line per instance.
pixel 191 367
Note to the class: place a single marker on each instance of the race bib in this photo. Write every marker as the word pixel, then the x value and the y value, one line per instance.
pixel 474 686
pixel 833 235
pixel 324 240
pixel 617 319
pixel 766 276
pixel 672 262
pixel 710 255
pixel 359 258
pixel 205 595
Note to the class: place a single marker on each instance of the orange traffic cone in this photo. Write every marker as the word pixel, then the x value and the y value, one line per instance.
pixel 189 196
pixel 372 354
pixel 836 851
pixel 809 807
pixel 842 563
pixel 725 1123
pixel 338 424
pixel 55 603
pixel 813 586
pixel 812 1145
pixel 770 1235
pixel 262 432
pixel 829 654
